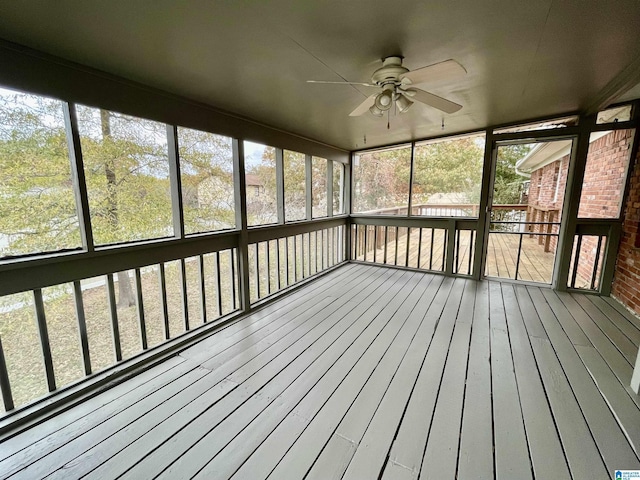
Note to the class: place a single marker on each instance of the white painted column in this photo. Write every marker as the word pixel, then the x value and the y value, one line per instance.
pixel 635 379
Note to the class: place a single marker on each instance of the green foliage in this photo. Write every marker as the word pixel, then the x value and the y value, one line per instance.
pixel 381 179
pixel 294 186
pixel 319 187
pixel 453 166
pixel 206 165
pixel 261 201
pixel 508 184
pixel 127 175
pixel 37 211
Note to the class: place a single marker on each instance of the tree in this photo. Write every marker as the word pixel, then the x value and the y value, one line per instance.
pixel 37 207
pixel 382 179
pixel 261 204
pixel 206 165
pixel 508 184
pixel 450 166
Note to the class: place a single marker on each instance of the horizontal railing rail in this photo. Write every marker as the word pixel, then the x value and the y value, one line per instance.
pixel 17 276
pixel 439 209
pixel 271 232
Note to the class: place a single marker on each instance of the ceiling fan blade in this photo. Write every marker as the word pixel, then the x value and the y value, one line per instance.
pixel 432 100
pixel 342 83
pixel 364 106
pixel 447 70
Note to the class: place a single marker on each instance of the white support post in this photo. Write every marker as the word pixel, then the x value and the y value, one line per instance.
pixel 635 379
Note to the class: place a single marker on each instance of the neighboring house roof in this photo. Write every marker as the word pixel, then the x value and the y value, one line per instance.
pixel 548 152
pixel 253 180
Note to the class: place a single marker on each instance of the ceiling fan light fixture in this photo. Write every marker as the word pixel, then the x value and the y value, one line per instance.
pixel 384 100
pixel 376 111
pixel 403 103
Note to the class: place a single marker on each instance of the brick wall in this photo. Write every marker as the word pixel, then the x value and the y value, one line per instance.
pixel 542 193
pixel 626 282
pixel 604 176
pixel 602 189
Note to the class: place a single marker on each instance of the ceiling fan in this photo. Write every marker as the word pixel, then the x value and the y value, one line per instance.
pixel 396 82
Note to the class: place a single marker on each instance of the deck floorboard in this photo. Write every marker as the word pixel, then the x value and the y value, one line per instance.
pixel 369 372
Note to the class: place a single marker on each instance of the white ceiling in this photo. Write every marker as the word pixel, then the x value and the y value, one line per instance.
pixel 524 58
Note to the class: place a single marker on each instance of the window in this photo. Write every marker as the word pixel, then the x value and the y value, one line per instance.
pixel 37 207
pixel 319 187
pixel 127 173
pixel 381 181
pixel 206 171
pixel 447 177
pixel 294 186
pixel 260 172
pixel 338 188
pixel 605 174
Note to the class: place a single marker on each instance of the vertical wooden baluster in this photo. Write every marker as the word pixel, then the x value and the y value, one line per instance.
pixel 406 262
pixel 268 258
pixel 395 260
pixel 595 263
pixel 82 327
pixel 257 265
pixel 286 261
pixel 471 249
pixel 302 255
pixel 218 284
pixel 295 258
pixel 518 257
pixel 201 281
pixel 234 283
pixel 456 255
pixel 113 310
pixel 419 247
pixel 5 385
pixel 163 301
pixel 575 262
pixel 140 305
pixel 309 253
pixel 279 284
pixel 431 250
pixel 43 335
pixel 445 241
pixel 185 294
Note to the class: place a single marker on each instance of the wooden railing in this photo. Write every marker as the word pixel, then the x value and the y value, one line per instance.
pixel 542 222
pixel 433 244
pixel 592 257
pixel 177 287
pixel 282 261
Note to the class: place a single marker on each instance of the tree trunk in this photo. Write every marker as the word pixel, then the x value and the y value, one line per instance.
pixel 126 296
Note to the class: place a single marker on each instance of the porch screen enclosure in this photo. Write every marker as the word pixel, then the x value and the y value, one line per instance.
pixel 122 238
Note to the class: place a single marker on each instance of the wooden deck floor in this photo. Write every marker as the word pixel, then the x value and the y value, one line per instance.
pixel 369 373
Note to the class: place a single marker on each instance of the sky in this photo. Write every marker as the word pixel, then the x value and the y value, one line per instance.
pixel 253 154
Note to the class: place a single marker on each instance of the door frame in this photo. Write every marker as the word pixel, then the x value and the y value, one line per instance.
pixel 484 219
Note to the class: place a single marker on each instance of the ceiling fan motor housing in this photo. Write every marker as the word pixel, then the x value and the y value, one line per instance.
pixel 389 72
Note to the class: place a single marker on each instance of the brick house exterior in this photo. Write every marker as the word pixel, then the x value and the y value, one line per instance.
pixel 602 190
pixel 626 280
